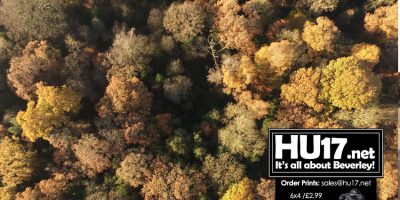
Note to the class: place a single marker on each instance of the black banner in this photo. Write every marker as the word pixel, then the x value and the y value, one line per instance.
pixel 326 153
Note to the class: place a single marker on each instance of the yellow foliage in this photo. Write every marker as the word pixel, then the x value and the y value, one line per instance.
pixel 387 186
pixel 244 190
pixel 303 88
pixel 15 162
pixel 257 106
pixel 49 112
pixel 322 35
pixel 129 95
pixel 367 52
pixel 383 21
pixel 347 84
pixel 279 56
pixel 236 80
pixel 7 192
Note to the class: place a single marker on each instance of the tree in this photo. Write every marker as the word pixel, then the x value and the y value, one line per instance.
pixel 388 185
pixel 175 182
pixel 347 84
pixel 16 162
pixel 369 117
pixel 278 56
pixel 48 189
pixel 185 20
pixel 38 62
pixel 36 19
pixel 235 73
pixel 223 170
pixel 234 30
pixel 321 36
pixel 131 49
pixel 374 4
pixel 155 19
pixel 126 95
pixel 258 107
pixel 135 169
pixel 180 143
pixel 94 154
pixel 266 188
pixel 245 189
pixel 383 22
pixel 240 135
pixel 50 111
pixel 319 6
pixel 369 53
pixel 8 192
pixel 177 88
pixel 303 88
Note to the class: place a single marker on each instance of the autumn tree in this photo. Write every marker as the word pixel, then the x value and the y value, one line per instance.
pixel 388 185
pixel 39 19
pixel 155 19
pixel 235 74
pixel 16 162
pixel 185 20
pixel 135 169
pixel 38 62
pixel 8 192
pixel 126 95
pixel 48 189
pixel 319 6
pixel 383 22
pixel 303 88
pixel 175 182
pixel 278 56
pixel 374 4
pixel 322 35
pixel 240 135
pixel 369 117
pixel 245 189
pixel 116 139
pixel 347 84
pixel 50 111
pixel 224 170
pixel 234 30
pixel 369 53
pixel 94 154
pixel 266 188
pixel 131 49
